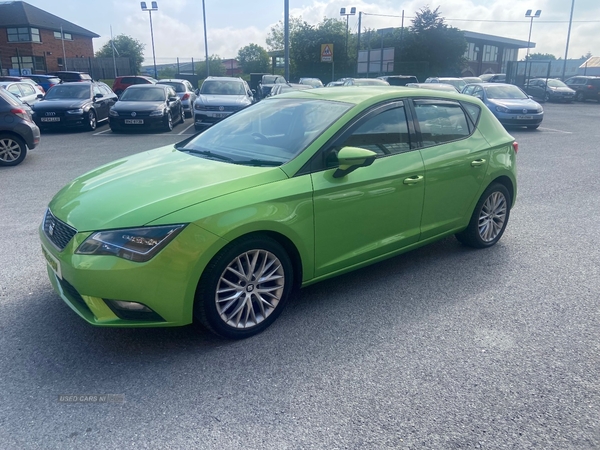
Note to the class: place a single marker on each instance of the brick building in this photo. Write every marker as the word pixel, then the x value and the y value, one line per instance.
pixel 31 40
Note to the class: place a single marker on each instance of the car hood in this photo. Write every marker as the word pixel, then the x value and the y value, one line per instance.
pixel 561 89
pixel 513 103
pixel 58 104
pixel 137 190
pixel 223 100
pixel 137 106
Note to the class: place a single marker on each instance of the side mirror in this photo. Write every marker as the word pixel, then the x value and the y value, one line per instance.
pixel 98 96
pixel 40 96
pixel 173 99
pixel 197 92
pixel 351 158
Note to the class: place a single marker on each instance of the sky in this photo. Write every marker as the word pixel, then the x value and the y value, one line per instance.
pixel 233 24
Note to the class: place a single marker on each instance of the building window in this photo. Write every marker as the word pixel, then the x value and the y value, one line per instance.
pixel 22 62
pixel 67 36
pixel 59 62
pixel 471 52
pixel 39 64
pixel 23 35
pixel 490 53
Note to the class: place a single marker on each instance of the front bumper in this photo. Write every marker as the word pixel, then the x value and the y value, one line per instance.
pixel 62 121
pixel 520 120
pixel 210 118
pixel 166 284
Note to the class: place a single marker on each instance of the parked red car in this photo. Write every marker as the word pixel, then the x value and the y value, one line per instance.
pixel 122 83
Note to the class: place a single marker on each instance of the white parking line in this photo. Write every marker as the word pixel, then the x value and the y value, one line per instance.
pixel 556 131
pixel 179 134
pixel 101 132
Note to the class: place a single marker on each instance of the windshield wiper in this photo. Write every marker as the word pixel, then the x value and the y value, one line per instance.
pixel 207 153
pixel 259 162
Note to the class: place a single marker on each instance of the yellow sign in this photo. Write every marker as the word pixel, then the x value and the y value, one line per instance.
pixel 326 52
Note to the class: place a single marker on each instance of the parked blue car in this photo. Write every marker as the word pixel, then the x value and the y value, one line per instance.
pixel 509 103
pixel 45 81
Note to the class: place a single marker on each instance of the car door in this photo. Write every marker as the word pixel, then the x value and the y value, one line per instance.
pixel 373 210
pixel 28 93
pixel 174 105
pixel 455 157
pixel 100 103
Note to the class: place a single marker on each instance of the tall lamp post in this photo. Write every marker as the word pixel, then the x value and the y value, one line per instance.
pixel 205 40
pixel 344 13
pixel 153 7
pixel 534 16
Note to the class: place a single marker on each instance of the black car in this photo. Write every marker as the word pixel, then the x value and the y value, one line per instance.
pixel 82 104
pixel 17 130
pixel 266 84
pixel 545 90
pixel 399 80
pixel 147 106
pixel 585 88
pixel 67 76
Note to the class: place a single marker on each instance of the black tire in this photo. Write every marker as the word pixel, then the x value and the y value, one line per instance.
pixel 533 127
pixel 182 116
pixel 169 122
pixel 92 121
pixel 580 97
pixel 546 97
pixel 222 277
pixel 12 150
pixel 495 194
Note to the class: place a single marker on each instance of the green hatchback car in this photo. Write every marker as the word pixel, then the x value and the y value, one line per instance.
pixel 298 188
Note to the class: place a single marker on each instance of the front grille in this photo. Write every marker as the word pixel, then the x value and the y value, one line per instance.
pixel 58 232
pixel 520 111
pixel 218 108
pixel 72 293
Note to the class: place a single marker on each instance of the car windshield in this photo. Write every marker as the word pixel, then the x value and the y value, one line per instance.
pixel 506 91
pixel 556 83
pixel 146 94
pixel 222 88
pixel 179 87
pixel 73 91
pixel 459 84
pixel 271 132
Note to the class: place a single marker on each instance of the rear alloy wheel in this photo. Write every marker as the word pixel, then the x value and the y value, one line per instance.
pixel 244 288
pixel 546 97
pixel 489 218
pixel 169 122
pixel 12 150
pixel 91 124
pixel 182 116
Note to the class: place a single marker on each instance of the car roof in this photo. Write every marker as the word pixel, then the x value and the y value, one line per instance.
pixel 227 78
pixel 172 80
pixel 370 94
pixel 148 86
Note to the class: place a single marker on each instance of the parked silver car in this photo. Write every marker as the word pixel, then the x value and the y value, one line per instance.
pixel 218 98
pixel 185 91
pixel 24 91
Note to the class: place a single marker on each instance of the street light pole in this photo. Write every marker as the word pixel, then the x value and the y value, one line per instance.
pixel 568 38
pixel 205 40
pixel 154 7
pixel 351 13
pixel 536 15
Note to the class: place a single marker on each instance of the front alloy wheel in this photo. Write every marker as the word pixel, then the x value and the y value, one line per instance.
pixel 169 122
pixel 489 218
pixel 244 288
pixel 92 124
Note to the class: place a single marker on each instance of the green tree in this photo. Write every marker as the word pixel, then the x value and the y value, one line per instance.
pixel 167 72
pixel 215 65
pixel 431 40
pixel 275 37
pixel 126 47
pixel 541 56
pixel 253 58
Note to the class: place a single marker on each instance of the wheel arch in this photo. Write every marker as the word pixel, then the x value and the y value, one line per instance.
pixel 508 184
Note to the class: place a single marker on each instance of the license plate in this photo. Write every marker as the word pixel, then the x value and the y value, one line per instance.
pixel 524 117
pixel 52 262
pixel 217 115
pixel 50 119
pixel 134 121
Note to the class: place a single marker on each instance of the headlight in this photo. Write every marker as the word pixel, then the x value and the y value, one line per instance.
pixel 75 111
pixel 158 112
pixel 134 244
pixel 540 110
pixel 501 109
pixel 113 113
pixel 198 106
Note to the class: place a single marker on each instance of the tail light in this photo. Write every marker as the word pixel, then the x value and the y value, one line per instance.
pixel 516 146
pixel 22 113
pixel 589 86
pixel 185 96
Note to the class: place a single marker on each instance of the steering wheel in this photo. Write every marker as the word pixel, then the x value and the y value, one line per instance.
pixel 260 137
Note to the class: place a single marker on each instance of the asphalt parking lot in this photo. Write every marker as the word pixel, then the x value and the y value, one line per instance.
pixel 441 348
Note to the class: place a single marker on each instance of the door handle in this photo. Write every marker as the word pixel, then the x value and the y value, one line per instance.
pixel 478 162
pixel 413 180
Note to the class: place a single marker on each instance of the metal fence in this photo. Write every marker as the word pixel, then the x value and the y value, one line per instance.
pixel 102 68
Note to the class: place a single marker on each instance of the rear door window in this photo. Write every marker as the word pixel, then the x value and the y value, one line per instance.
pixel 441 121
